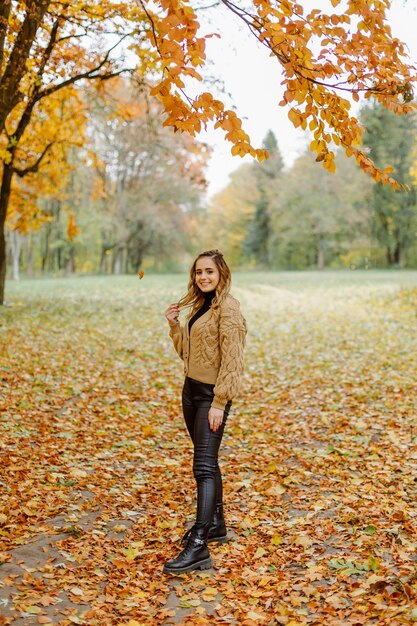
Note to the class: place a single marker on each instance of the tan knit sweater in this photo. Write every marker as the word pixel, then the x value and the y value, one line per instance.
pixel 213 351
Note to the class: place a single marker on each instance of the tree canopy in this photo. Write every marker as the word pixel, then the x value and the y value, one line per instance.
pixel 325 56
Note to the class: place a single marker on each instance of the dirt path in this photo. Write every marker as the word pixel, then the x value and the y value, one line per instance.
pixel 27 599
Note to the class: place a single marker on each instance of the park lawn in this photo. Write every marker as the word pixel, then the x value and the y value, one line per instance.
pixel 319 455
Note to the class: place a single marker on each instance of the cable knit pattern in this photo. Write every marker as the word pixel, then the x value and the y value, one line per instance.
pixel 213 352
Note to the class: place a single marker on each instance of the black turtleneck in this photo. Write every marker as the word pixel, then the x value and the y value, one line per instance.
pixel 208 299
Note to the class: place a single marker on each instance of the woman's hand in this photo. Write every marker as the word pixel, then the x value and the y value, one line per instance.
pixel 172 314
pixel 215 418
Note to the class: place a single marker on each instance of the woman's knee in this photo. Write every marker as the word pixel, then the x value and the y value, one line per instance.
pixel 204 468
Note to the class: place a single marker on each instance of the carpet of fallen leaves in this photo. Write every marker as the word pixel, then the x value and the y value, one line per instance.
pixel 319 456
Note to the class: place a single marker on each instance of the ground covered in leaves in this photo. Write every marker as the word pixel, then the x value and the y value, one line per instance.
pixel 319 456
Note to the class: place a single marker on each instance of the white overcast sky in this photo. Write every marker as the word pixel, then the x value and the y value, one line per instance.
pixel 253 80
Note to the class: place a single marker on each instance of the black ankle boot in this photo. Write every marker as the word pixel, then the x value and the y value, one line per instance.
pixel 194 556
pixel 217 531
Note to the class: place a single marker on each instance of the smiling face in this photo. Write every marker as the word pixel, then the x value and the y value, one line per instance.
pixel 207 275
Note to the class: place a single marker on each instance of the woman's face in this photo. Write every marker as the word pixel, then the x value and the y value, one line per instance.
pixel 207 275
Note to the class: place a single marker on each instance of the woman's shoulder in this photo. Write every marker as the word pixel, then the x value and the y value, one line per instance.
pixel 230 305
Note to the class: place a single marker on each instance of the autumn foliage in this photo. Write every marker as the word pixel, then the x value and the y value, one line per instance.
pixel 322 56
pixel 50 49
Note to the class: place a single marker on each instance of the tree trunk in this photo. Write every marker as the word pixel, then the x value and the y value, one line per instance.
pixel 15 248
pixel 70 266
pixel 45 251
pixel 6 184
pixel 2 262
pixel 29 255
pixel 320 255
pixel 399 255
pixel 137 262
pixel 117 260
pixel 103 261
pixel 15 69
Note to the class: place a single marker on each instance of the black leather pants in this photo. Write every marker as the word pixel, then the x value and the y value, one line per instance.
pixel 196 401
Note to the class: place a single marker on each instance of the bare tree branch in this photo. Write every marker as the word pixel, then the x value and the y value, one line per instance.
pixel 35 166
pixel 89 74
pixel 48 50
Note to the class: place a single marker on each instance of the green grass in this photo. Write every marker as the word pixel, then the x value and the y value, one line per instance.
pixel 94 287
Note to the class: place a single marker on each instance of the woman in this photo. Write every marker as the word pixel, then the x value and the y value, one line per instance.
pixel 211 344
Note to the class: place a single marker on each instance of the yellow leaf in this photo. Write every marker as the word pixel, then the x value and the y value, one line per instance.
pixel 357 592
pixel 259 553
pixel 119 528
pixel 295 117
pixel 171 462
pixel 275 490
pixel 33 609
pixel 255 616
pixel 210 591
pixel 303 540
pixel 276 540
pixel 78 473
pixel 272 467
pixel 148 430
pixel 28 512
pixel 33 504
pixel 131 553
pixel 77 591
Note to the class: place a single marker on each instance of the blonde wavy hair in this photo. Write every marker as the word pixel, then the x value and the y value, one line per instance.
pixel 194 297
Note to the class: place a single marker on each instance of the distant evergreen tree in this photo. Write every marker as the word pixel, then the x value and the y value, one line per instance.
pixel 267 174
pixel 391 140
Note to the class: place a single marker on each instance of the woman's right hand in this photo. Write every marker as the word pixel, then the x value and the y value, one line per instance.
pixel 172 314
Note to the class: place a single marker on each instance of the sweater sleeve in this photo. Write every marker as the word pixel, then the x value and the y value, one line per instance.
pixel 175 332
pixel 232 335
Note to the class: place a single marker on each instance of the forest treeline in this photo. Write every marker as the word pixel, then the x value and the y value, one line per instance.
pixel 129 194
pixel 276 218
pixel 124 190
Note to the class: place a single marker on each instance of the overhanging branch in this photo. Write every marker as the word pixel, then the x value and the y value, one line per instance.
pixel 92 74
pixel 35 166
pixel 256 25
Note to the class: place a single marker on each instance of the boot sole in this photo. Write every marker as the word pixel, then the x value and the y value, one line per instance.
pixel 205 564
